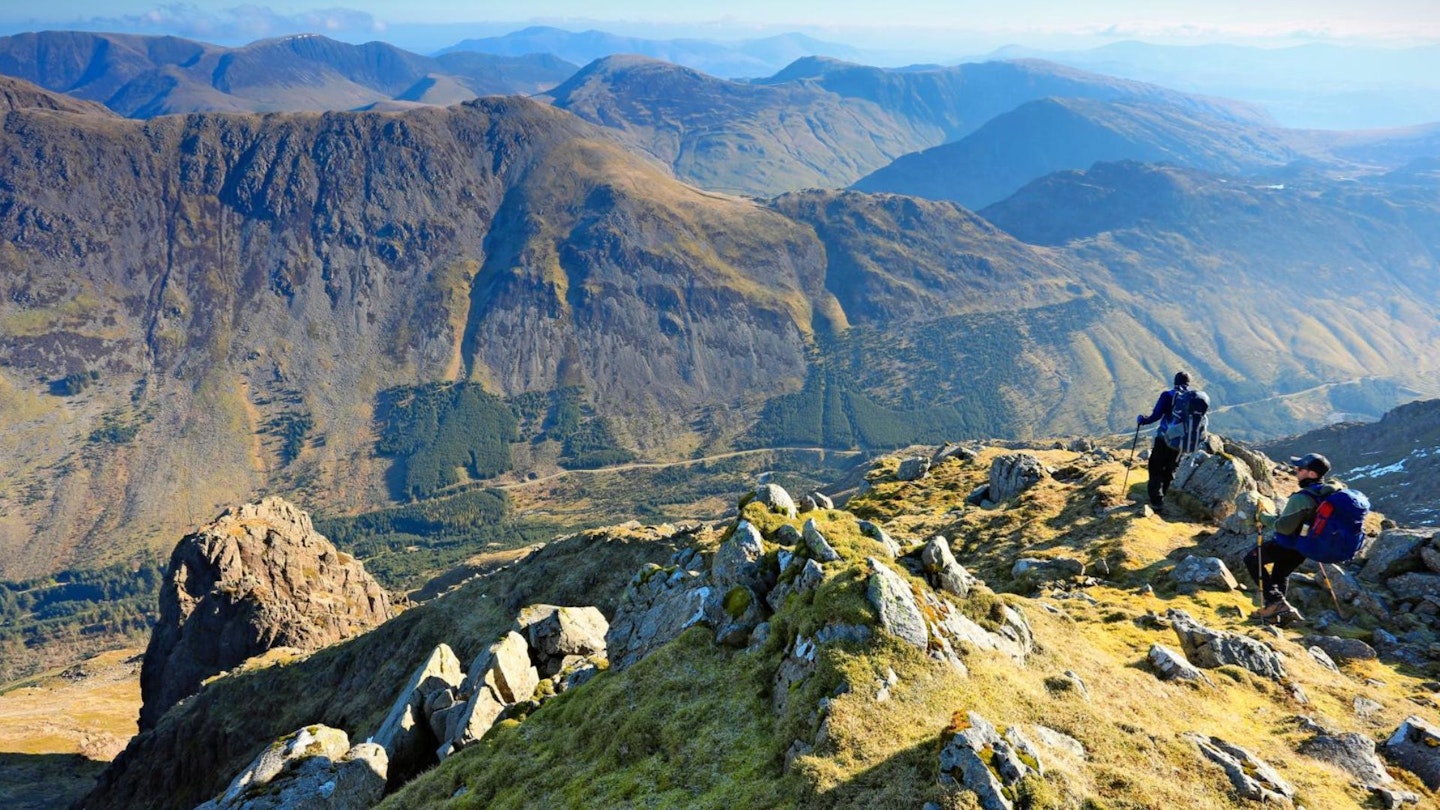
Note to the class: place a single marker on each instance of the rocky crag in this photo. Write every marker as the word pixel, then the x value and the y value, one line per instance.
pixel 258 578
pixel 993 627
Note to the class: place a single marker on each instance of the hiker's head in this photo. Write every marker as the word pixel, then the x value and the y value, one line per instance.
pixel 1311 465
pixel 1181 379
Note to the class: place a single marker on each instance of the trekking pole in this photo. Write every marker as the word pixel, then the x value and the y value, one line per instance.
pixel 1331 589
pixel 1259 561
pixel 1125 487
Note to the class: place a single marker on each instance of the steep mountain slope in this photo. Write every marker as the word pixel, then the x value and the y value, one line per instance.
pixel 736 137
pixel 303 300
pixel 826 123
pixel 1394 461
pixel 756 57
pixel 142 77
pixel 1055 134
pixel 239 290
pixel 870 664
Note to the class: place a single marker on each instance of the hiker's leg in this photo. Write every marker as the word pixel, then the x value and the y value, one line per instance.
pixel 1282 562
pixel 1252 565
pixel 1162 470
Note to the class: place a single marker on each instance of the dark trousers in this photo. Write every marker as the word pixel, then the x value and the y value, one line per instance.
pixel 1162 464
pixel 1280 561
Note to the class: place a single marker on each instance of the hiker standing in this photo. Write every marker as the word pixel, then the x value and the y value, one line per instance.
pixel 1165 455
pixel 1301 533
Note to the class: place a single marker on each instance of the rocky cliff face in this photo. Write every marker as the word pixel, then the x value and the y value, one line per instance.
pixel 258 578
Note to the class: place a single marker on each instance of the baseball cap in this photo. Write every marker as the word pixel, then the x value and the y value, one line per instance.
pixel 1313 462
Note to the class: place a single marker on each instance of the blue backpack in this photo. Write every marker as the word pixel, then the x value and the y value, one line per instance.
pixel 1186 426
pixel 1338 530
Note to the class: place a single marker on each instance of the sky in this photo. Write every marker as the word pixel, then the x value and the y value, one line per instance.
pixel 923 24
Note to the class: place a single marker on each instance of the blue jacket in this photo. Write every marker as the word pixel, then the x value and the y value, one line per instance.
pixel 1162 409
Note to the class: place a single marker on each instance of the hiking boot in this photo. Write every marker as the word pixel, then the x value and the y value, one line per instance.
pixel 1281 613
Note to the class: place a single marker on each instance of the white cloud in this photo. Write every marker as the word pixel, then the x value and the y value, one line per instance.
pixel 239 23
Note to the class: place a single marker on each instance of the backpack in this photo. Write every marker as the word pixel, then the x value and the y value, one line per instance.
pixel 1338 530
pixel 1185 430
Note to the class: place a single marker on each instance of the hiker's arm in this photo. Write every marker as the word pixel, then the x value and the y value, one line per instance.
pixel 1162 407
pixel 1300 508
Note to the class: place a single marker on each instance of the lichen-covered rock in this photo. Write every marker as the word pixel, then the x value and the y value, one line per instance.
pixel 505 667
pixel 1013 638
pixel 1203 572
pixel 1394 552
pixel 257 578
pixel 555 633
pixel 1415 746
pixel 654 610
pixel 895 602
pixel 819 548
pixel 942 571
pixel 1415 587
pixel 913 469
pixel 1341 650
pixel 313 768
pixel 406 735
pixel 737 561
pixel 822 501
pixel 1035 570
pixel 1209 649
pixel 1172 666
pixel 1251 777
pixel 1350 752
pixel 1013 473
pixel 797 665
pixel 980 760
pixel 1208 486
pixel 804 580
pixel 777 500
pixel 472 722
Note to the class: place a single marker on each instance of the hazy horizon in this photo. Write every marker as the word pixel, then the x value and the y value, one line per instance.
pixel 926 29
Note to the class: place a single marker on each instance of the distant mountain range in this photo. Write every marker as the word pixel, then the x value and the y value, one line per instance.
pixel 142 77
pixel 1321 86
pixel 748 58
pixel 196 308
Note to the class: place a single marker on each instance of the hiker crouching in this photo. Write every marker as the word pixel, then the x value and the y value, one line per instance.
pixel 1322 521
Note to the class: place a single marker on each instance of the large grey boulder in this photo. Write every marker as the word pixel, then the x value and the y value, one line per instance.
pixel 913 469
pixel 879 535
pixel 257 578
pixel 506 668
pixel 1013 637
pixel 1252 778
pixel 1415 746
pixel 942 571
pixel 556 633
pixel 406 734
pixel 1350 752
pixel 1203 572
pixel 1394 552
pixel 738 560
pixel 777 500
pixel 895 602
pixel 1341 650
pixel 1208 649
pixel 1208 486
pixel 314 768
pixel 1261 468
pixel 1013 473
pixel 1415 587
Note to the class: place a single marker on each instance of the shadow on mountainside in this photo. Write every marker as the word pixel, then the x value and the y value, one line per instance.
pixel 46 781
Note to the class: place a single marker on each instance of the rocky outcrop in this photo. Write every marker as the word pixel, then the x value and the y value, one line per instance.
pixel 988 764
pixel 1415 746
pixel 407 734
pixel 1350 752
pixel 1013 473
pixel 1203 572
pixel 912 469
pixel 892 598
pixel 1172 666
pixel 776 499
pixel 314 768
pixel 942 571
pixel 257 578
pixel 1208 486
pixel 1209 648
pixel 1251 777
